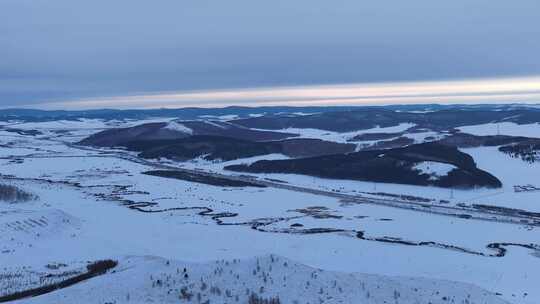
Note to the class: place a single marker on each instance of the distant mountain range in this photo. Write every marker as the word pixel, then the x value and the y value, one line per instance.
pixel 241 112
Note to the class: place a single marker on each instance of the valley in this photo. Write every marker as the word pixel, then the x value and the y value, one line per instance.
pixel 343 239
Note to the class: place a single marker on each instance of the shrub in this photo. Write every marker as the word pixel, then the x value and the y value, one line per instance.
pixel 255 299
pixel 12 194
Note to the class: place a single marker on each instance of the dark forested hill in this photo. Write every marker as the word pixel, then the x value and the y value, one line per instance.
pixel 390 166
pixel 226 148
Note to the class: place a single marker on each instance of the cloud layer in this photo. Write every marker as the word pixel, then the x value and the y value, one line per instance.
pixel 501 90
pixel 64 49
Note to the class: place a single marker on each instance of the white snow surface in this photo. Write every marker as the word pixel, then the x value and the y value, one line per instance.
pixel 110 229
pixel 176 126
pixel 220 117
pixel 152 279
pixel 503 128
pixel 90 222
pixel 341 137
pixel 435 170
pixel 304 113
pixel 61 124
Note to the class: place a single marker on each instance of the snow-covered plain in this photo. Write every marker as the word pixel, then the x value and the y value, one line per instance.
pixel 503 128
pixel 511 172
pixel 82 198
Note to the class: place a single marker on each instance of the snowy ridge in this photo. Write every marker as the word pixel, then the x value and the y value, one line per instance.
pixel 153 279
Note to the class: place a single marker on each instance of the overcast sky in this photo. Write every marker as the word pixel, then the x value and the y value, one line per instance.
pixel 62 50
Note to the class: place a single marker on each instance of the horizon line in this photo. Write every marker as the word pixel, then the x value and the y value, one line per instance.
pixel 501 90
